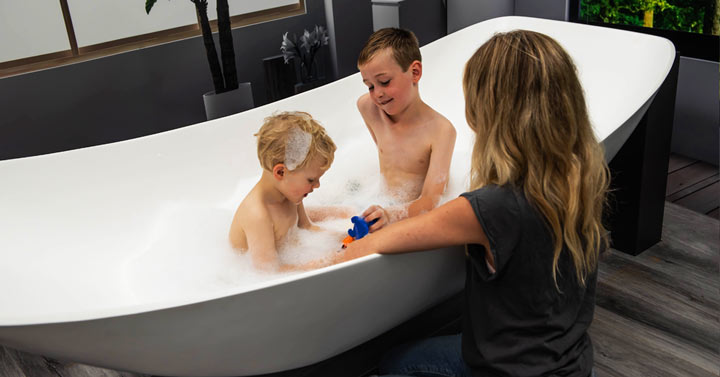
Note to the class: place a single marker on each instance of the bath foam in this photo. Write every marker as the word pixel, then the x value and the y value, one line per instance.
pixel 297 147
pixel 303 246
pixel 190 254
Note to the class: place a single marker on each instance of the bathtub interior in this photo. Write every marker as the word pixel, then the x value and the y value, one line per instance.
pixel 142 224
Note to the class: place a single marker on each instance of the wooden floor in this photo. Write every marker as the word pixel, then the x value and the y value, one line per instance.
pixel 693 184
pixel 656 313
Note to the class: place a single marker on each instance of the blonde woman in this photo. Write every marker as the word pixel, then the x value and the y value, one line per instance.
pixel 531 222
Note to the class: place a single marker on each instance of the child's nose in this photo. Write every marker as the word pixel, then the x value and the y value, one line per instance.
pixel 317 184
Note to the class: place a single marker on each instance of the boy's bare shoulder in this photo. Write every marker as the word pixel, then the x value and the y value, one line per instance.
pixel 440 123
pixel 253 211
pixel 250 216
pixel 363 101
pixel 366 106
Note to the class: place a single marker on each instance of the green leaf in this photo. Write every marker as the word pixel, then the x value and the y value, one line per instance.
pixel 148 5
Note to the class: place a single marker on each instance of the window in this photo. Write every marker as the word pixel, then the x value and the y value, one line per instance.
pixel 692 25
pixel 37 35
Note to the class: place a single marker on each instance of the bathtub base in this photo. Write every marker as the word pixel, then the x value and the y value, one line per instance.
pixel 441 319
pixel 639 175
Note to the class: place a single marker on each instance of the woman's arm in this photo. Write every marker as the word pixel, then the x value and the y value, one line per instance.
pixel 453 223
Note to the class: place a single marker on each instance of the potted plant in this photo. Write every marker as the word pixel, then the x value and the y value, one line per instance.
pixel 305 50
pixel 229 97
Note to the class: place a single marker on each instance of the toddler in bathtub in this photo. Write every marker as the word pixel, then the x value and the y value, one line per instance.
pixel 294 152
pixel 414 142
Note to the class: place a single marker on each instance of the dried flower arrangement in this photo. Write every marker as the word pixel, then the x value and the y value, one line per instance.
pixel 305 49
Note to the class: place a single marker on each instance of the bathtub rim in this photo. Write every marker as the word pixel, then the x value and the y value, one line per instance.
pixel 176 302
pixel 646 97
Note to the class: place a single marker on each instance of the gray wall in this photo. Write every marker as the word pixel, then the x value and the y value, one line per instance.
pixel 696 131
pixel 350 24
pixel 426 18
pixel 463 13
pixel 552 10
pixel 131 94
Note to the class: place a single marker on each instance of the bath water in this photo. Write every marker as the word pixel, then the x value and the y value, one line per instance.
pixel 191 257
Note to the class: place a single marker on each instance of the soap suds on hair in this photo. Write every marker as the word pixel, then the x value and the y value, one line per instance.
pixel 297 147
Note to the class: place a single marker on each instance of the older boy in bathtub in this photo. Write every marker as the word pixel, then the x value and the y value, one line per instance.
pixel 414 142
pixel 294 152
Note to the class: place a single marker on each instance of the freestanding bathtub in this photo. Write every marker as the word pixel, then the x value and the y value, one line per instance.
pixel 81 231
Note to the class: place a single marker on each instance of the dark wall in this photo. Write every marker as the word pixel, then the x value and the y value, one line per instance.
pixel 426 18
pixel 131 94
pixel 351 24
pixel 696 131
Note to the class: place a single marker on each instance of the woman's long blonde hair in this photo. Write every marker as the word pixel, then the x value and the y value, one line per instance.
pixel 526 106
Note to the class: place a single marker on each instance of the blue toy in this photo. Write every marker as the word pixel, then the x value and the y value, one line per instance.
pixel 360 229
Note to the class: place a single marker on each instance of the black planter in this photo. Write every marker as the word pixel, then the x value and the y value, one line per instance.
pixel 305 86
pixel 228 103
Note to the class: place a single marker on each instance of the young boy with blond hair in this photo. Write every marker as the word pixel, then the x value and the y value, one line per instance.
pixel 294 151
pixel 415 143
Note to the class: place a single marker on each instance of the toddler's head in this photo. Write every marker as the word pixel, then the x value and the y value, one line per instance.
pixel 294 139
pixel 402 43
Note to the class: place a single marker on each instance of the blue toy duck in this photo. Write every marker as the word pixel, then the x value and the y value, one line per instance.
pixel 360 229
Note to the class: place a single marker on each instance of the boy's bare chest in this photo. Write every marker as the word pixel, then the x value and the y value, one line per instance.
pixel 403 149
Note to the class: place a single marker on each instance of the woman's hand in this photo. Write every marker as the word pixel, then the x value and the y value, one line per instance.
pixel 379 213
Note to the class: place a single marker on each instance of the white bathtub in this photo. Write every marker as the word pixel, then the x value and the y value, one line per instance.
pixel 74 225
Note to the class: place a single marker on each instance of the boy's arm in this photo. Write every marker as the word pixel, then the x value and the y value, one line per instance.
pixel 261 240
pixel 438 172
pixel 303 219
pixel 366 107
pixel 322 213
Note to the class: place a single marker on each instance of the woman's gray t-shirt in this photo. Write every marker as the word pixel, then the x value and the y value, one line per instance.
pixel 516 322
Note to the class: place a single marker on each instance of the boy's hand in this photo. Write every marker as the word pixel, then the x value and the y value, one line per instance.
pixel 376 212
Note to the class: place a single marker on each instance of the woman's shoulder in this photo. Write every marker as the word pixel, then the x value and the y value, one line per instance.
pixel 506 202
pixel 494 194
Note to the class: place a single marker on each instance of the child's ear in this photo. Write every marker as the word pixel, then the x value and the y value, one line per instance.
pixel 279 171
pixel 416 70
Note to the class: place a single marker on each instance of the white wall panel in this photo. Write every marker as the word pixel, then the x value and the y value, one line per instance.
pixel 246 6
pixel 31 28
pixel 98 21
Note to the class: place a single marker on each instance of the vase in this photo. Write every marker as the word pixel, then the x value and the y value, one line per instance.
pixel 228 103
